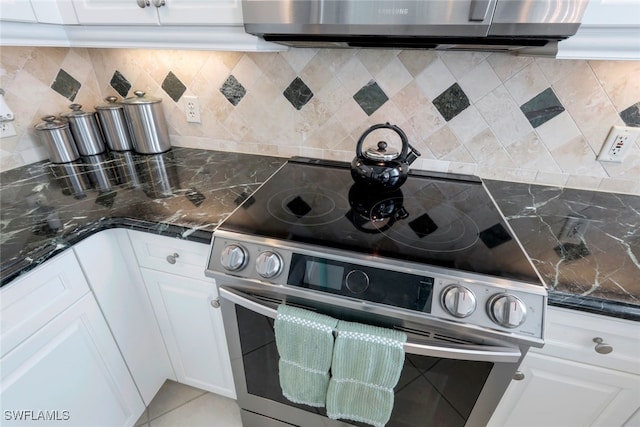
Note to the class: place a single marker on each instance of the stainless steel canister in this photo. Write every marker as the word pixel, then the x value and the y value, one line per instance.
pixel 85 130
pixel 114 124
pixel 147 124
pixel 56 136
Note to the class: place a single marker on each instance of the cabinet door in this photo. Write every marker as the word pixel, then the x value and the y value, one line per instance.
pixel 30 301
pixel 192 329
pixel 558 392
pixel 216 12
pixel 109 264
pixel 69 373
pixel 114 12
pixel 16 10
pixel 174 12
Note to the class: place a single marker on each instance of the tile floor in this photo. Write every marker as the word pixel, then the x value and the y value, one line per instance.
pixel 180 405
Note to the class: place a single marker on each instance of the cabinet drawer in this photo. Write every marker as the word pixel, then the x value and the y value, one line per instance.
pixel 169 254
pixel 35 298
pixel 570 335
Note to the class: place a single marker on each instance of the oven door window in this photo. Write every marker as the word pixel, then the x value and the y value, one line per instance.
pixel 438 392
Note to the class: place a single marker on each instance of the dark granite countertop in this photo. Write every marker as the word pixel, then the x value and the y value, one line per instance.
pixel 586 245
pixel 184 193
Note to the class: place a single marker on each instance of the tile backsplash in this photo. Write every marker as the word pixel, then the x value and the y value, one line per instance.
pixel 498 116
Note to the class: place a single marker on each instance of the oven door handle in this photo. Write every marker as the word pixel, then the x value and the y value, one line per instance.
pixel 493 354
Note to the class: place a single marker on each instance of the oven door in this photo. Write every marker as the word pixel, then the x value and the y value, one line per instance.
pixel 448 385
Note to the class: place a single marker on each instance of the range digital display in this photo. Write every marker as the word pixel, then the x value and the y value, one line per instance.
pixel 323 275
pixel 393 288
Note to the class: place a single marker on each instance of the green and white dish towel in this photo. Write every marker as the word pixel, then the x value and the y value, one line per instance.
pixel 367 363
pixel 305 344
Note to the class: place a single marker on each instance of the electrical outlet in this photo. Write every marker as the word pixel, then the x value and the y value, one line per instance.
pixel 7 129
pixel 192 109
pixel 617 144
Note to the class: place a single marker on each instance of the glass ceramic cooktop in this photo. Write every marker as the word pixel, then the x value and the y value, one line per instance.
pixel 434 220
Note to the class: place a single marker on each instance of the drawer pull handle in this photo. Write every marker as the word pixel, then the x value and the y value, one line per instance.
pixel 171 259
pixel 518 376
pixel 601 346
pixel 215 303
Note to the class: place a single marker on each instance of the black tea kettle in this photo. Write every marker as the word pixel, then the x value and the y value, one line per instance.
pixel 379 169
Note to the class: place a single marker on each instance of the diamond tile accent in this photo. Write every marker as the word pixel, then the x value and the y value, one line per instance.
pixel 370 97
pixel 494 236
pixel 298 93
pixel 542 108
pixel 66 85
pixel 173 86
pixel 106 199
pixel 195 197
pixel 451 102
pixel 233 90
pixel 631 116
pixel 120 83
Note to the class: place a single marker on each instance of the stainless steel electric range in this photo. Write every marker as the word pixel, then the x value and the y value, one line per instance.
pixel 433 258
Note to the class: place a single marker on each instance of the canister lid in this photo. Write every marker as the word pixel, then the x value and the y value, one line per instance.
pixel 52 122
pixel 140 98
pixel 110 104
pixel 76 111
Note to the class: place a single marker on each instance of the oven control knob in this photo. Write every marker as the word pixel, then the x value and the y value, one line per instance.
pixel 458 301
pixel 233 257
pixel 507 310
pixel 269 264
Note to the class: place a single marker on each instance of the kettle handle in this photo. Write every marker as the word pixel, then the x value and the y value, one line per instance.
pixel 400 132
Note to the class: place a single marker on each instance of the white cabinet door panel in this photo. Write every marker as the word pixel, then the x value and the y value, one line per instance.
pixel 114 12
pixel 73 369
pixel 564 393
pixel 109 264
pixel 174 12
pixel 192 329
pixel 31 300
pixel 213 12
pixel 16 10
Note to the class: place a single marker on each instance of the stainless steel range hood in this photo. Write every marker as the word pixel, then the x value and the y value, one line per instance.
pixel 493 25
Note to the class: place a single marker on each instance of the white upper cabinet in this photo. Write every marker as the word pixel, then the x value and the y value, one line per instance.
pixel 219 12
pixel 16 10
pixel 158 12
pixel 114 12
pixel 610 30
pixel 37 11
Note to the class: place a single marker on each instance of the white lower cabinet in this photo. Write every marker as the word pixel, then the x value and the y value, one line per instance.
pixel 191 324
pixel 564 393
pixel 573 382
pixel 108 261
pixel 33 299
pixel 74 357
pixel 185 305
pixel 70 373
